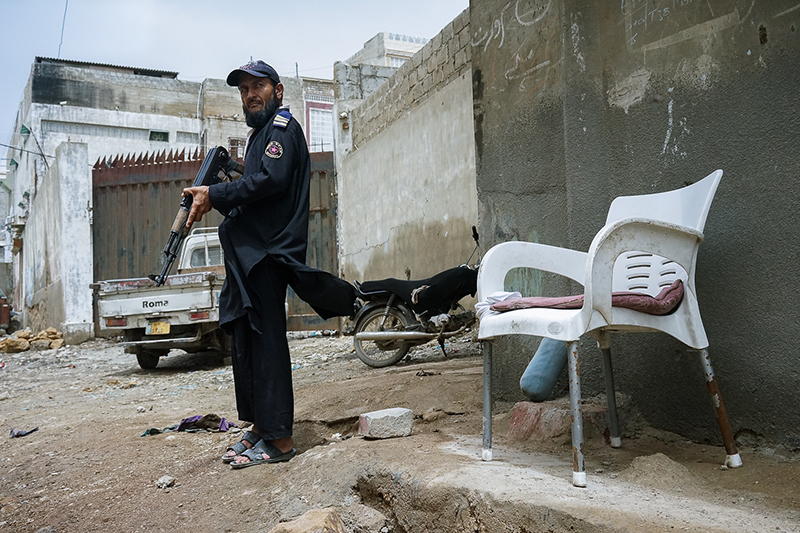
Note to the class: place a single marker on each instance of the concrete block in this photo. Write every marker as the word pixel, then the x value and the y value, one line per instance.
pixel 464 38
pixel 547 421
pixel 386 423
pixel 461 58
pixel 461 21
pixel 436 42
pixel 447 32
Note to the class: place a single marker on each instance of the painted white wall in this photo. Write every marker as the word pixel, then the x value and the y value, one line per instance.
pixel 420 170
pixel 57 257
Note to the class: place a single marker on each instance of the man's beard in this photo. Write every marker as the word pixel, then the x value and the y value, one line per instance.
pixel 259 119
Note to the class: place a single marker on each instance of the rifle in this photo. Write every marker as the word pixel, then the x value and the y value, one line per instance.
pixel 217 167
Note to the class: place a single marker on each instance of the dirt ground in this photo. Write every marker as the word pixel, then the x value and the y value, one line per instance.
pixel 88 467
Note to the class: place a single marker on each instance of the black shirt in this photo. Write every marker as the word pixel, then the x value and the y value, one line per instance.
pixel 267 211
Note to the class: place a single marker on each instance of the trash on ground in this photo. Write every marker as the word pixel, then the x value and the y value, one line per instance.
pixel 20 433
pixel 195 424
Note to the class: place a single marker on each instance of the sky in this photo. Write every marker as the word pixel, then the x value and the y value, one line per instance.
pixel 199 38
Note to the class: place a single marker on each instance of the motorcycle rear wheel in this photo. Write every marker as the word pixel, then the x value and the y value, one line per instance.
pixel 379 354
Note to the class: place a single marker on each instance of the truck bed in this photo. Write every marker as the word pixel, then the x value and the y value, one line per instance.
pixel 139 300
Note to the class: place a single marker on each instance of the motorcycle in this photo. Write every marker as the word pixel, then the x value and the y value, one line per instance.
pixel 396 315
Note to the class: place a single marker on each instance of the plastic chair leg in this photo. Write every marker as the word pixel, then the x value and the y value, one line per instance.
pixel 613 423
pixel 578 472
pixel 733 460
pixel 486 453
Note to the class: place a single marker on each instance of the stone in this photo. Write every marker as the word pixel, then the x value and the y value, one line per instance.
pixel 14 345
pixel 386 423
pixel 314 521
pixel 55 344
pixel 165 482
pixel 40 344
pixel 433 414
pixel 25 334
pixel 52 333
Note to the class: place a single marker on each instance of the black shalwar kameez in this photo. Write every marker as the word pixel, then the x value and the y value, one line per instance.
pixel 264 237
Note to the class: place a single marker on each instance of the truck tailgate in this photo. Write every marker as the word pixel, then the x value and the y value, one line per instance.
pixel 138 296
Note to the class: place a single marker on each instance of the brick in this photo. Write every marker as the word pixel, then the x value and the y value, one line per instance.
pixel 548 421
pixel 394 422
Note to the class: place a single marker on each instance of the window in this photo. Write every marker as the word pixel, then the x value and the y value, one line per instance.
pixel 396 62
pixel 198 258
pixel 236 145
pixel 320 130
pixel 159 136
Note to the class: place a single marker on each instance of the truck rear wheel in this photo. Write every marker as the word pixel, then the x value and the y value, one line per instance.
pixel 147 359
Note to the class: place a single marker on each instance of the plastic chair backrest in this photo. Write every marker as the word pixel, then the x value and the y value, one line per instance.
pixel 645 272
pixel 687 207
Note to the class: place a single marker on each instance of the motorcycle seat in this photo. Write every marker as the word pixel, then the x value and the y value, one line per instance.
pixel 439 293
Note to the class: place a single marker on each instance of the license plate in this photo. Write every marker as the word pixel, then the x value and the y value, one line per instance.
pixel 157 328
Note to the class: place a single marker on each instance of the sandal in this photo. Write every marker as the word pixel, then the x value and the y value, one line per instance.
pixel 240 447
pixel 255 454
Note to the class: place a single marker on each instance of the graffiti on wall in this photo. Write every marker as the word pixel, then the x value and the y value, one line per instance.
pixel 522 44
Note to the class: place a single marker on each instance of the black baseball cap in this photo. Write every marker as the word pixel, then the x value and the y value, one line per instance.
pixel 259 69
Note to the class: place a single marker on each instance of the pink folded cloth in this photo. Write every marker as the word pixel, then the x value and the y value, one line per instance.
pixel 663 304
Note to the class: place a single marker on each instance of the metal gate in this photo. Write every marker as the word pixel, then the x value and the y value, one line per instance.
pixel 134 204
pixel 322 242
pixel 135 200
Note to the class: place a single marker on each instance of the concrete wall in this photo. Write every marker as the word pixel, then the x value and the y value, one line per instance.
pixel 405 163
pixel 577 102
pixel 57 273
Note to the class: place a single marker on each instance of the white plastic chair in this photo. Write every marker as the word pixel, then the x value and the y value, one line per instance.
pixel 647 242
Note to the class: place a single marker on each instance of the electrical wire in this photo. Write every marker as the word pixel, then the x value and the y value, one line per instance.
pixel 23 150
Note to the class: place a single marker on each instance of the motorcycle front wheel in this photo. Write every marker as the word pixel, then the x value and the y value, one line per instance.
pixel 378 354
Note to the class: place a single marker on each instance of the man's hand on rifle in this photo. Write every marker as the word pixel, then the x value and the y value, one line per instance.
pixel 201 203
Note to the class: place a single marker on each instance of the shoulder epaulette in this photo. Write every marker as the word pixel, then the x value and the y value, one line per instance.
pixel 282 118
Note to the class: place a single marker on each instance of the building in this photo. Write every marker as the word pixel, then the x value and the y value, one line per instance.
pixel 116 110
pixel 387 50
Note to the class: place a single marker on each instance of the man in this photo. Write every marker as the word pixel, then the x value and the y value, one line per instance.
pixel 264 237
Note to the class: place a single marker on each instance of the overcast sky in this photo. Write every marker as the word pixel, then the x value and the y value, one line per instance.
pixel 199 38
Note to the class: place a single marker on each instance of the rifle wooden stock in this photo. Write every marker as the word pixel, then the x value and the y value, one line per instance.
pixel 217 166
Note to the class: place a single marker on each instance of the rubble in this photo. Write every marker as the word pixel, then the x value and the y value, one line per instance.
pixel 316 520
pixel 21 341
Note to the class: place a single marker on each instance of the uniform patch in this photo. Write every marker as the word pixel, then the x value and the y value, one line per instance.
pixel 274 150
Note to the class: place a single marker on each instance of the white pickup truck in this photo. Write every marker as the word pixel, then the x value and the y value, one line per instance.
pixel 183 313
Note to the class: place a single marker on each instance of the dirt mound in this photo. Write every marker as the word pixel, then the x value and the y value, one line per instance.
pixel 660 471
